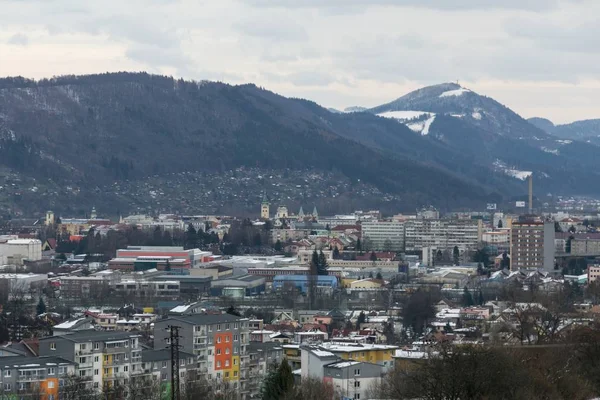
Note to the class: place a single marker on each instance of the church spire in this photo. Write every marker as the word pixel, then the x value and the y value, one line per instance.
pixel 315 214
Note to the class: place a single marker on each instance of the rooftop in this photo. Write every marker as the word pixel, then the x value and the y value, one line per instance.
pixel 206 319
pixel 31 362
pixel 93 336
pixel 161 355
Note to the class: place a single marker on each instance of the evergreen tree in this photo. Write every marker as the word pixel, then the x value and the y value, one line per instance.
pixel 336 253
pixel 358 245
pixel 371 274
pixel 379 276
pixel 41 307
pixel 455 255
pixel 232 311
pixel 362 318
pixel 373 256
pixel 322 264
pixel 500 226
pixel 278 382
pixel 480 299
pixel 278 246
pixel 467 298
pixel 314 263
pixel 505 263
pixel 191 238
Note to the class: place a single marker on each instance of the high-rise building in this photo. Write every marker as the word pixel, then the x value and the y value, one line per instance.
pixel 383 235
pixel 219 341
pixel 532 243
pixel 442 234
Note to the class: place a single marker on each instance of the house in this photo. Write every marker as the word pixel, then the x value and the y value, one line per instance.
pixel 353 379
pixel 313 360
pixel 73 325
pixel 371 353
pixel 368 283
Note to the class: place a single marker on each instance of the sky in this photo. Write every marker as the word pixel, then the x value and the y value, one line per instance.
pixel 538 57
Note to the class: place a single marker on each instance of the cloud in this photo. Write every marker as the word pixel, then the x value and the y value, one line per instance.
pixel 446 5
pixel 273 30
pixel 18 39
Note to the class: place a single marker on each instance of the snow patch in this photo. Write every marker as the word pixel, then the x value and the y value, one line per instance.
pixel 476 115
pixel 456 92
pixel 547 150
pixel 515 173
pixel 404 115
pixel 422 127
pixel 564 141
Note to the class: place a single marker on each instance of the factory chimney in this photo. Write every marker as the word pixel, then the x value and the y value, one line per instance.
pixel 531 193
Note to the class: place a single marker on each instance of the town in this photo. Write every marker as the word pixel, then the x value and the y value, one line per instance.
pixel 358 305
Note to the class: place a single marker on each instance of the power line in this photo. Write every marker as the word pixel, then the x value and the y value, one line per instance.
pixel 174 346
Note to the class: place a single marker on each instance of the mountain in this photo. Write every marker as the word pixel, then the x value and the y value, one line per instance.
pixel 585 131
pixel 494 136
pixel 355 109
pixel 91 132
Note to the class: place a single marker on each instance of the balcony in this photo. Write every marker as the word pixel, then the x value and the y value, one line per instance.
pixel 113 350
pixel 30 378
pixel 85 365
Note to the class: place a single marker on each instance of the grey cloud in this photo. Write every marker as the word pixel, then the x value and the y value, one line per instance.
pixel 303 78
pixel 18 39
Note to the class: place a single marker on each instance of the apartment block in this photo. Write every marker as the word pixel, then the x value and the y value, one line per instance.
pixel 383 235
pixel 102 358
pixel 157 363
pixel 220 342
pixel 532 244
pixel 33 377
pixel 353 379
pixel 442 234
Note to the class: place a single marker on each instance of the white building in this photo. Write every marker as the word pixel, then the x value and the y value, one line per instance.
pixel 442 234
pixel 21 284
pixel 383 235
pixel 15 251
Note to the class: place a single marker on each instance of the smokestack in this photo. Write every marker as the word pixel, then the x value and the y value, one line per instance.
pixel 531 193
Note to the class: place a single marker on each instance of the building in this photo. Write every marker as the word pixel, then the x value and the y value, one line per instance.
pixel 144 288
pixel 190 285
pixel 593 273
pixel 264 208
pixel 313 360
pixel 383 235
pixel 157 363
pixel 369 353
pixel 21 285
pixel 138 258
pixel 498 238
pixel 442 234
pixel 76 287
pixel 214 271
pixel 532 244
pixel 103 358
pixel 238 287
pixel 15 251
pixel 269 273
pixel 260 357
pixel 220 341
pixel 33 377
pixel 353 379
pixel 282 213
pixel 302 282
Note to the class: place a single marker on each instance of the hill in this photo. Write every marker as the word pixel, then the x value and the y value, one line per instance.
pixel 90 132
pixel 585 131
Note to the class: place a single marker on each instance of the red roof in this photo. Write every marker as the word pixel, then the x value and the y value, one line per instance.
pixel 346 227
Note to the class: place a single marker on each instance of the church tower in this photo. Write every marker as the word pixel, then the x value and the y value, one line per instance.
pixel 93 215
pixel 264 207
pixel 49 218
pixel 301 214
pixel 315 214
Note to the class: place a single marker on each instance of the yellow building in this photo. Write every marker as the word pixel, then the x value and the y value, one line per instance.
pixel 368 283
pixel 292 353
pixel 264 208
pixel 371 353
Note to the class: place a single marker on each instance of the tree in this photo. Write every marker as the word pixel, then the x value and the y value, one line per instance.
pixel 505 262
pixel 358 246
pixel 61 257
pixel 168 266
pixel 500 226
pixel 336 253
pixel 417 312
pixel 455 255
pixel 41 307
pixel 379 276
pixel 480 299
pixel 191 238
pixel 278 382
pixel 373 256
pixel 278 246
pixel 232 311
pixel 387 245
pixel 439 257
pixel 371 274
pixel 557 227
pixel 362 318
pixel 467 299
pixel 322 265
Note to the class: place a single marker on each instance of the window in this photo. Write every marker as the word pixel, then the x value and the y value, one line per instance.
pixel 7 373
pixel 356 384
pixel 52 345
pixel 218 364
pixel 96 359
pixel 218 375
pixel 164 364
pixel 62 370
pixel 227 363
pixel 227 351
pixel 126 368
pixel 357 372
pixel 96 372
pixel 82 373
pixel 105 358
pixel 218 351
pixel 50 384
pixel 235 361
pixel 95 385
pixel 51 396
pixel 356 396
pixel 7 386
pixel 235 338
pixel 219 339
pixel 82 346
pixel 96 346
pixel 105 371
pixel 51 371
pixel 235 373
pixel 226 374
pixel 226 327
pixel 226 339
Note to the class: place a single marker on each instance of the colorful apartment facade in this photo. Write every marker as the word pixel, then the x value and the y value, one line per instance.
pixel 26 377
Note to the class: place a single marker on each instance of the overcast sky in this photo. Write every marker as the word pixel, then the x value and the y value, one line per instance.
pixel 539 57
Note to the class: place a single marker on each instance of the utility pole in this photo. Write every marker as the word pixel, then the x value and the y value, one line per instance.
pixel 174 346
